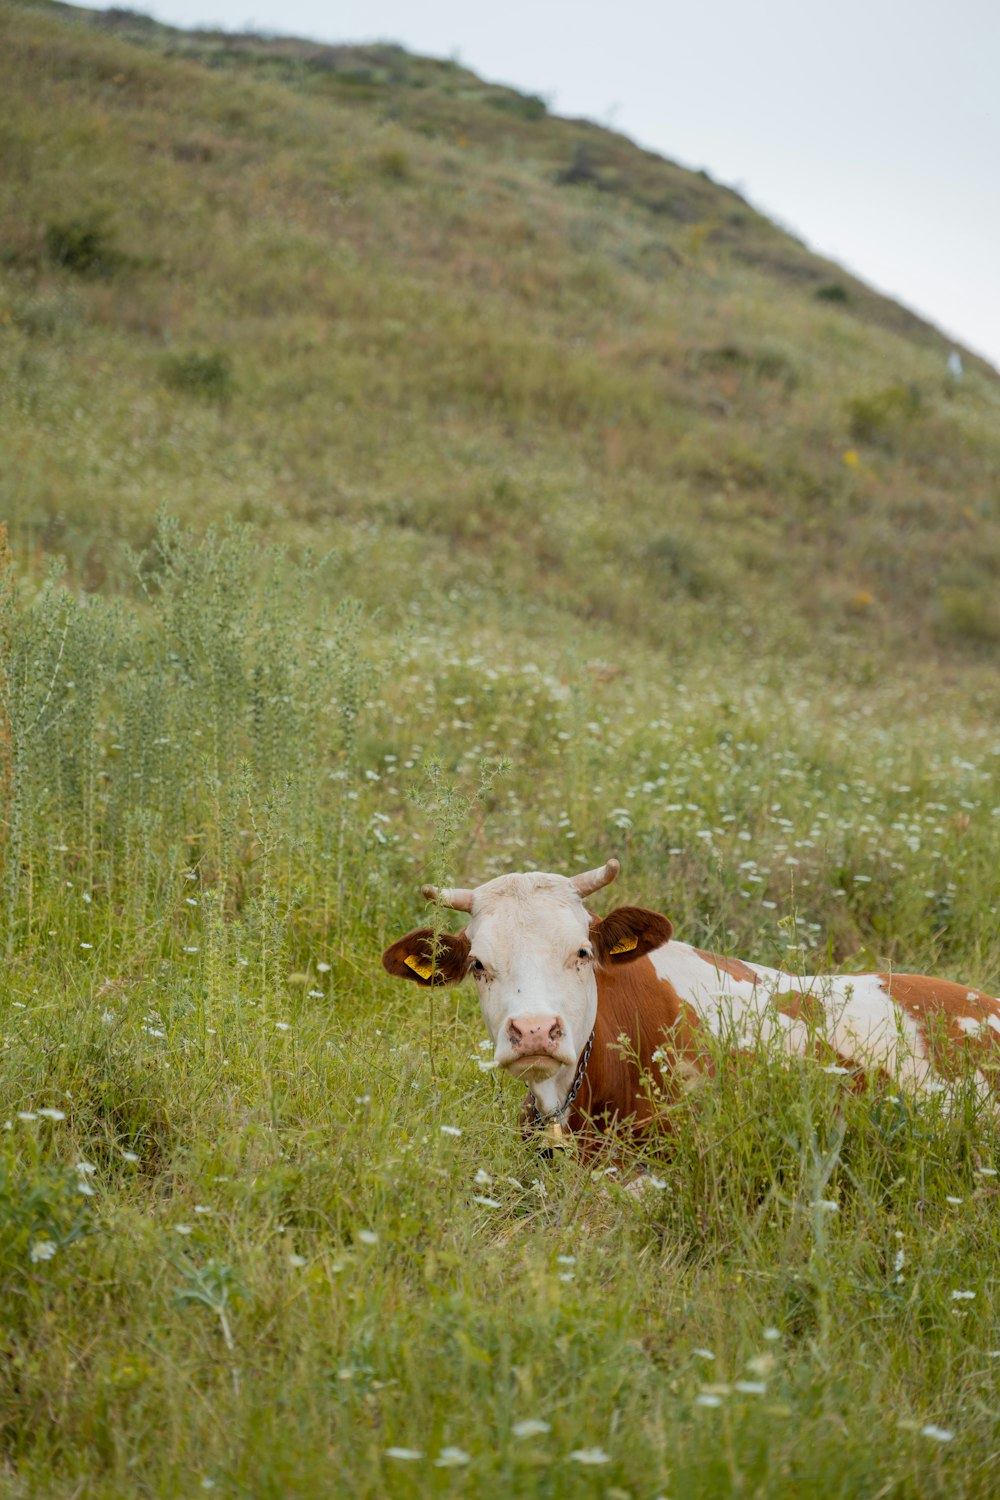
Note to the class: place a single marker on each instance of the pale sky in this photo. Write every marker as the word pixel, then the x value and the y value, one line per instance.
pixel 871 128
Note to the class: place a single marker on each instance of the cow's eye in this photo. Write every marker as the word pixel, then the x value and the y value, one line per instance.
pixel 583 953
pixel 477 966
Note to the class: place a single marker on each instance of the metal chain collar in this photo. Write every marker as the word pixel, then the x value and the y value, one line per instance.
pixel 537 1118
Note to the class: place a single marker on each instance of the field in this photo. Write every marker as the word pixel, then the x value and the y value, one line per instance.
pixel 405 485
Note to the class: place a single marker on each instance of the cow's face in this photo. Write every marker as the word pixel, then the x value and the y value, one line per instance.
pixel 534 953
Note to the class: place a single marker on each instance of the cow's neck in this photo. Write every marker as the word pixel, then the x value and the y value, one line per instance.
pixel 637 1012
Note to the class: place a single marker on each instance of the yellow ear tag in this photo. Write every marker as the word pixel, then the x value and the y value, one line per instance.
pixel 419 965
pixel 625 946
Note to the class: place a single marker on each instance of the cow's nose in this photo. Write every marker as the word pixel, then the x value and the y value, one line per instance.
pixel 532 1036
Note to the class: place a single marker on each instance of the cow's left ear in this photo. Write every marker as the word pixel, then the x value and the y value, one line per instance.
pixel 414 957
pixel 628 933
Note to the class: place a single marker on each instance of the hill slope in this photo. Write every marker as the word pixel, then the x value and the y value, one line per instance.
pixel 366 299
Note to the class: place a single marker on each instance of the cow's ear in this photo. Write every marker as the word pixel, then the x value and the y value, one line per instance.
pixel 628 933
pixel 414 957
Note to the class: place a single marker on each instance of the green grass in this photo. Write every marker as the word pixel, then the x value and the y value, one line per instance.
pixel 209 840
pixel 382 511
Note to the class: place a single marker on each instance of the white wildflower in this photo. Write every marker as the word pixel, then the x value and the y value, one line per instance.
pixel 42 1250
pixel 451 1458
pixel 52 1114
pixel 367 1237
pixel 408 1455
pixel 703 1353
pixel 483 1178
pixel 450 1130
pixel 297 1260
pixel 590 1456
pixel 486 1202
pixel 531 1427
pixel 708 1398
pixel 939 1434
pixel 86 1168
pixel 958 1296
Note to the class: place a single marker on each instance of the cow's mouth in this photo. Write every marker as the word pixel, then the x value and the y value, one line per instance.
pixel 535 1068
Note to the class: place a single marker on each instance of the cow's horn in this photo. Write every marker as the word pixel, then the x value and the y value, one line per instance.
pixel 457 899
pixel 592 880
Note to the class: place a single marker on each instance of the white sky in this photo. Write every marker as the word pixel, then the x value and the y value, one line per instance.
pixel 869 127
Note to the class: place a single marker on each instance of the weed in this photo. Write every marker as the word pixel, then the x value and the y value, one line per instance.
pixel 86 246
pixel 394 164
pixel 209 376
pixel 884 415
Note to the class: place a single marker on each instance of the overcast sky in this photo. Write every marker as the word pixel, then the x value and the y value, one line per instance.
pixel 869 127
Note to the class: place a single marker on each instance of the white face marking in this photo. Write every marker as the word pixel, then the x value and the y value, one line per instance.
pixel 528 932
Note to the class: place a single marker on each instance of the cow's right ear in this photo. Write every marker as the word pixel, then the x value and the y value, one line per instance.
pixel 414 957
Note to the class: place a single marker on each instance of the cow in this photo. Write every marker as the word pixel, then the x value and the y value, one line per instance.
pixel 588 1011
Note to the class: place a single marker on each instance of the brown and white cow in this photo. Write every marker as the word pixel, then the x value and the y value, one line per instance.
pixel 559 988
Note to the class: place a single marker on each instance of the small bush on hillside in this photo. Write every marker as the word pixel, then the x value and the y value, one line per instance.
pixel 84 246
pixel 207 375
pixel 967 617
pixel 524 106
pixel 580 169
pixel 884 415
pixel 677 561
pixel 832 291
pixel 394 164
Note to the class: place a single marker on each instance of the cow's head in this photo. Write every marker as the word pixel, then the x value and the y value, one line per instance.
pixel 533 951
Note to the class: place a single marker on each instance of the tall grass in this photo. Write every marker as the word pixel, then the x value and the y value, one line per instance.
pixel 268 1228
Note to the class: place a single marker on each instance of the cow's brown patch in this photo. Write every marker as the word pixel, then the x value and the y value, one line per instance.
pixel 634 1004
pixel 939 1007
pixel 800 1007
pixel 734 967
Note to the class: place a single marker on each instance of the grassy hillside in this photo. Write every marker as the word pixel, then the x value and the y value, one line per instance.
pixel 351 296
pixel 403 484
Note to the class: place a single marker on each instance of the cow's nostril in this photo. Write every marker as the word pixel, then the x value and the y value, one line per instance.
pixel 513 1032
pixel 555 1032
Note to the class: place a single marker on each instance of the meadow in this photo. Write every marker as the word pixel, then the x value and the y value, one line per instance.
pixel 381 510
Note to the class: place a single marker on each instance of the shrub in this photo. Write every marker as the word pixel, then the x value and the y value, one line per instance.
pixel 580 169
pixel 207 375
pixel 84 246
pixel 679 561
pixel 884 415
pixel 524 106
pixel 394 164
pixel 832 291
pixel 967 617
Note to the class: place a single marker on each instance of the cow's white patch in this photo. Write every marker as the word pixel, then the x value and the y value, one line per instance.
pixel 852 1013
